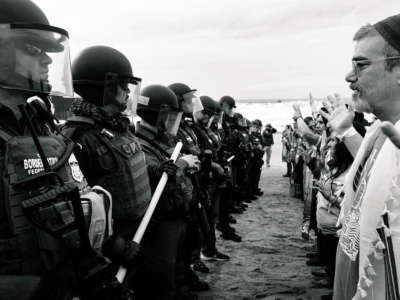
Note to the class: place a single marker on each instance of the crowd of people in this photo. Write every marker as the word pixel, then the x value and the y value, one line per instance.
pixel 98 207
pixel 346 170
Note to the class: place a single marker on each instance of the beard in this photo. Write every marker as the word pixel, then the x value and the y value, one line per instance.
pixel 361 104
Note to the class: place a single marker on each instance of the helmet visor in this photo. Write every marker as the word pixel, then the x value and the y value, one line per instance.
pixel 194 101
pixel 122 92
pixel 36 60
pixel 169 119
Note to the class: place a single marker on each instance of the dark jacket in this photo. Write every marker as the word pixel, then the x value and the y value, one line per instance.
pixel 268 136
pixel 114 160
pixel 177 195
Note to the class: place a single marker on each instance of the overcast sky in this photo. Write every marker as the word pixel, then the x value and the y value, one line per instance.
pixel 257 49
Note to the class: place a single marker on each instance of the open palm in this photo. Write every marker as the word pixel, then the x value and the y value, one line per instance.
pixel 340 118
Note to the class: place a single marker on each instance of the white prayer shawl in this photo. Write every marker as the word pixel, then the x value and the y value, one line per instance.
pixel 382 193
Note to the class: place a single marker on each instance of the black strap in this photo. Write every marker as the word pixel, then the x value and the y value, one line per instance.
pixel 4 135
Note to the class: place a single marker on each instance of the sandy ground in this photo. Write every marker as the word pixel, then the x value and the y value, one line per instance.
pixel 270 261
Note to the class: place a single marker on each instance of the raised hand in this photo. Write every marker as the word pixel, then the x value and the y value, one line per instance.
pixel 340 118
pixel 313 105
pixel 391 132
pixel 297 111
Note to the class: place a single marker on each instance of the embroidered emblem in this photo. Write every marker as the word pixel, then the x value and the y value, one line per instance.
pixel 75 169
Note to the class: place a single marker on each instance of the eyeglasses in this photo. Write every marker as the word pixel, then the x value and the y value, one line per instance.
pixel 359 65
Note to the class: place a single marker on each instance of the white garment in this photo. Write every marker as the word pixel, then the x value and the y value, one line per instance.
pixel 327 214
pixel 381 191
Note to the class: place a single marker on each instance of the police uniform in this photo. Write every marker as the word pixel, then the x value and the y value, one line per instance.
pixel 255 171
pixel 36 226
pixel 114 160
pixel 161 254
pixel 198 227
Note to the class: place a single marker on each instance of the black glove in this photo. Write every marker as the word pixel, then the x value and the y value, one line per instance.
pixel 120 251
pixel 169 167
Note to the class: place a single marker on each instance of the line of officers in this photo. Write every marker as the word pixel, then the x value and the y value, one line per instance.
pixel 116 167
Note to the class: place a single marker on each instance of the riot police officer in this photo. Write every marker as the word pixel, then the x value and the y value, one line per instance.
pixel 228 106
pixel 38 227
pixel 231 143
pixel 108 153
pixel 224 186
pixel 213 173
pixel 163 258
pixel 188 102
pixel 258 150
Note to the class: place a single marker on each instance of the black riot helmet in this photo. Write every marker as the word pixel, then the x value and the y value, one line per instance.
pixel 218 108
pixel 257 123
pixel 209 112
pixel 209 104
pixel 102 75
pixel 34 56
pixel 180 89
pixel 187 98
pixel 228 105
pixel 228 100
pixel 159 107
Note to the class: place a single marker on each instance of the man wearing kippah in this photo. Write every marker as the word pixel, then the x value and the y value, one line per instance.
pixel 372 186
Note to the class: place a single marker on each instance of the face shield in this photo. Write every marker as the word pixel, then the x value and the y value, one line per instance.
pixel 122 92
pixel 169 119
pixel 35 58
pixel 191 103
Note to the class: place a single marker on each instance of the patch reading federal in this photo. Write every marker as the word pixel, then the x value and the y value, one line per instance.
pixel 35 165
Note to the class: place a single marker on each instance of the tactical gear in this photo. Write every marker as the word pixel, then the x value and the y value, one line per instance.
pixel 169 120
pixel 26 39
pixel 187 98
pixel 115 162
pixel 169 167
pixel 24 240
pixel 257 123
pixel 156 98
pixel 239 121
pixel 102 75
pixel 228 100
pixel 180 89
pixel 209 104
pixel 217 108
pixel 175 200
pixel 188 138
pixel 120 251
